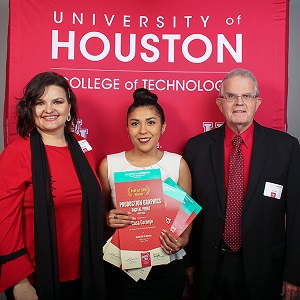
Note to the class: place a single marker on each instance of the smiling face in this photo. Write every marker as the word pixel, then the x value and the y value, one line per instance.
pixel 145 128
pixel 238 114
pixel 51 110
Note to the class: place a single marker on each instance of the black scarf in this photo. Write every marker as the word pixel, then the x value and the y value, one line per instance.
pixel 47 276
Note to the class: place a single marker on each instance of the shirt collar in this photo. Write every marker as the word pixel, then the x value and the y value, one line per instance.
pixel 247 136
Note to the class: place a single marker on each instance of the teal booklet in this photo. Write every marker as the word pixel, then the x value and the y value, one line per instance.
pixel 187 212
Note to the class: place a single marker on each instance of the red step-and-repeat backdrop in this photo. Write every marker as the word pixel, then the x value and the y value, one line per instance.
pixel 180 50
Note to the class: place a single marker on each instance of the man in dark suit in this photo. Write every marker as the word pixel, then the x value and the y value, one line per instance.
pixel 247 237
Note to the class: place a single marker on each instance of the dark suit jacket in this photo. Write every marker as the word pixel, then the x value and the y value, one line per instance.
pixel 271 246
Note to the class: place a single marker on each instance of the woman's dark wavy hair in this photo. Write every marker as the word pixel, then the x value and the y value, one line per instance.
pixel 34 90
pixel 142 97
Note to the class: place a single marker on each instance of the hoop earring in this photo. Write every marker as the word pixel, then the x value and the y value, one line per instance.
pixel 69 117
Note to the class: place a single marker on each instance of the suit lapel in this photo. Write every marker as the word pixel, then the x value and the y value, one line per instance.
pixel 217 157
pixel 259 154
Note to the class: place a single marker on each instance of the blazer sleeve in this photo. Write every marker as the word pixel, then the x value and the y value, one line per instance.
pixel 188 259
pixel 188 155
pixel 14 172
pixel 292 262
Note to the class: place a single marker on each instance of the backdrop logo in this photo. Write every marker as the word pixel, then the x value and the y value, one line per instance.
pixel 207 126
pixel 83 132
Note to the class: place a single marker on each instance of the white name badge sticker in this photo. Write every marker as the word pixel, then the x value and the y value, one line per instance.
pixel 273 190
pixel 85 146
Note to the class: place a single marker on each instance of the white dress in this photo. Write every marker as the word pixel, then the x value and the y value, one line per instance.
pixel 168 164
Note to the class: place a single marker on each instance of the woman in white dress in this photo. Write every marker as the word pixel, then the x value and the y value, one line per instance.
pixel 145 124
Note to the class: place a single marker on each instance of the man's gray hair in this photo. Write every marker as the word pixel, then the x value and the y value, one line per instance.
pixel 241 73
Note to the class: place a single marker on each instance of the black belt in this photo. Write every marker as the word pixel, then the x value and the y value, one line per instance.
pixel 225 248
pixel 6 258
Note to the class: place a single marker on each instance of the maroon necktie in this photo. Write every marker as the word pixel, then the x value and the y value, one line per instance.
pixel 232 235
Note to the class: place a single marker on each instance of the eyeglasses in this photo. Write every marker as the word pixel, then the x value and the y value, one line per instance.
pixel 233 97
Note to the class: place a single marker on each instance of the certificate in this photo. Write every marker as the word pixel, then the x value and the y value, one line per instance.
pixel 111 250
pixel 141 193
pixel 174 198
